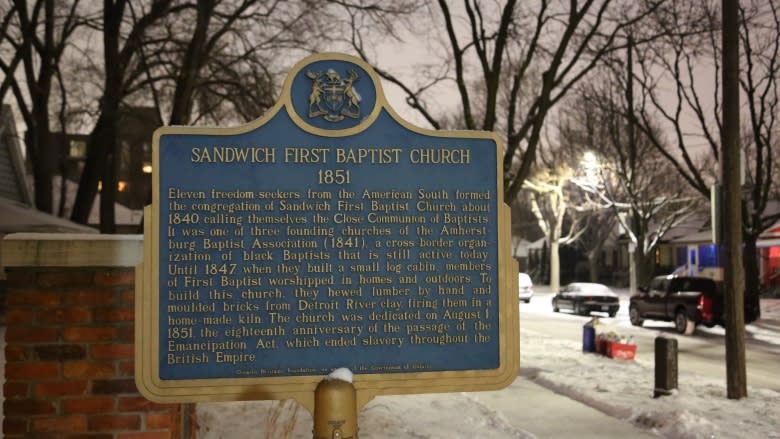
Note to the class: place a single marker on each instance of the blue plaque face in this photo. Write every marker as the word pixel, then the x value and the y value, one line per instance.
pixel 327 234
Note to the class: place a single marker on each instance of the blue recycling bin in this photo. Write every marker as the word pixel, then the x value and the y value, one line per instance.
pixel 588 338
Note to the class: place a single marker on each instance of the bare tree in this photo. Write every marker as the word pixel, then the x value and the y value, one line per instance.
pixel 645 211
pixel 600 229
pixel 215 60
pixel 690 52
pixel 197 61
pixel 34 38
pixel 760 38
pixel 122 27
pixel 497 52
pixel 630 176
pixel 549 192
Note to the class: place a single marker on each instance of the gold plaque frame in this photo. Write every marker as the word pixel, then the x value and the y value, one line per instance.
pixel 301 388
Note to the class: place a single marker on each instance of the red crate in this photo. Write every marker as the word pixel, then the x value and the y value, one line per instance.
pixel 621 351
pixel 601 346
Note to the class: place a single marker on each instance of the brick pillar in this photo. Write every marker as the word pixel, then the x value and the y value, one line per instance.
pixel 70 354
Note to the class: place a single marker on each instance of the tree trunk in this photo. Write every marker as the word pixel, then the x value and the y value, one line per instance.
pixel 109 187
pixel 37 141
pixel 94 163
pixel 102 144
pixel 43 188
pixel 644 265
pixel 555 266
pixel 39 135
pixel 593 267
pixel 99 168
pixel 194 58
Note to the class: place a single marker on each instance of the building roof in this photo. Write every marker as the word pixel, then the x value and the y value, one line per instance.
pixel 18 217
pixel 698 237
pixel 18 213
pixel 12 182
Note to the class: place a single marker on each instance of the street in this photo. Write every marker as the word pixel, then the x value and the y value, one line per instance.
pixel 702 353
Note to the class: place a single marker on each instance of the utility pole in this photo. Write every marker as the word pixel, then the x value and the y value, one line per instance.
pixel 734 297
pixel 632 247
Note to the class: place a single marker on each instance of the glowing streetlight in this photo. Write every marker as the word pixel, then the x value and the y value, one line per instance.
pixel 589 160
pixel 591 166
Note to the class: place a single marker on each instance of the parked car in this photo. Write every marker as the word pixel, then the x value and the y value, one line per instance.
pixel 586 297
pixel 685 300
pixel 525 287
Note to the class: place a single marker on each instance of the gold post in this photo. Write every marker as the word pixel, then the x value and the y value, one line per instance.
pixel 335 410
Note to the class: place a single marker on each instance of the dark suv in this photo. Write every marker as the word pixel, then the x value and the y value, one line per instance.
pixel 687 301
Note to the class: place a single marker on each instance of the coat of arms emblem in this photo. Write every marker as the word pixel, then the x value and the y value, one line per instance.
pixel 332 96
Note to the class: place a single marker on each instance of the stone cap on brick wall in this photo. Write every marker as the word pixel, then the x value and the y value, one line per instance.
pixel 70 250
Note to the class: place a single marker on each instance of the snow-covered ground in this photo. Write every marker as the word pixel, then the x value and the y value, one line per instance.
pixel 621 389
pixel 699 409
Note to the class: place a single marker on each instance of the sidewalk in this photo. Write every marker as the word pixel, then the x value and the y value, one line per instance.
pixel 524 410
pixel 546 414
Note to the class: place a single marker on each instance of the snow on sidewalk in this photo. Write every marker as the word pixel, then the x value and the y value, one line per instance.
pixel 621 389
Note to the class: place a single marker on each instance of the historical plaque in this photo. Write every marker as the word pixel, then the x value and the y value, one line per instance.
pixel 329 233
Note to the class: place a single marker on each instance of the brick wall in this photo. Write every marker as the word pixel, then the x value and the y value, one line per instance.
pixel 69 356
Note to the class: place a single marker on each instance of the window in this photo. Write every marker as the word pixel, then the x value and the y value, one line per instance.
pixel 693 284
pixel 659 284
pixel 77 149
pixel 708 255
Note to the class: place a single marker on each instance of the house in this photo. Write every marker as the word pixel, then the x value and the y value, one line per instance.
pixel 685 249
pixel 16 205
pixel 769 257
pixel 13 184
pixel 691 250
pixel 520 252
pixel 133 168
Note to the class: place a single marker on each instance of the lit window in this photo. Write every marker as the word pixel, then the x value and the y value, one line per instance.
pixel 121 186
pixel 147 168
pixel 78 148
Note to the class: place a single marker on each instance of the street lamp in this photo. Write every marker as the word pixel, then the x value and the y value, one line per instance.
pixel 589 160
pixel 591 166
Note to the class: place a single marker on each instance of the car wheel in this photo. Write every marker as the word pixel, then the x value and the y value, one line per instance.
pixel 612 313
pixel 682 324
pixel 555 306
pixel 578 309
pixel 527 300
pixel 635 317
